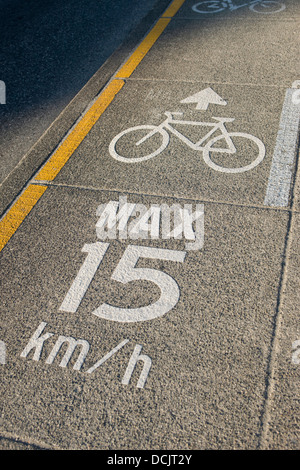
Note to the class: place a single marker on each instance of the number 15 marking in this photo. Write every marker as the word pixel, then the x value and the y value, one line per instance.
pixel 125 272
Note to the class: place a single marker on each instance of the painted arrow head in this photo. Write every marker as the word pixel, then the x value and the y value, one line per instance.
pixel 204 98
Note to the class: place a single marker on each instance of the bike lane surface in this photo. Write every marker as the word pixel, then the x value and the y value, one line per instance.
pixel 207 369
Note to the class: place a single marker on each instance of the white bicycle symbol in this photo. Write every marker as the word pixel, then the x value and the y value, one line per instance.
pixel 257 6
pixel 207 148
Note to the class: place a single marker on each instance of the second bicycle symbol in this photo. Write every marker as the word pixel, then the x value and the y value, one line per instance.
pixel 257 6
pixel 144 142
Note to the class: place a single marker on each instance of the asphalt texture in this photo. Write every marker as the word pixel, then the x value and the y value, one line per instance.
pixel 48 53
pixel 164 340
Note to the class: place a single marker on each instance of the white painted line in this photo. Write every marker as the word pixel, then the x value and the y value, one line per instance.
pixel 2 353
pixel 280 178
pixel 96 252
pixel 2 92
pixel 107 356
pixel 136 356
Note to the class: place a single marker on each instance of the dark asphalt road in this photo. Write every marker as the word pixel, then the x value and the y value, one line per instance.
pixel 48 51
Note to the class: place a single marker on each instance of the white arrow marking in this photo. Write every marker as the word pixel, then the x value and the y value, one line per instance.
pixel 204 98
pixel 2 352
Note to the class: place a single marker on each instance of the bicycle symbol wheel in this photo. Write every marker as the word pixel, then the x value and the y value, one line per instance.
pixel 209 6
pixel 157 138
pixel 267 7
pixel 210 152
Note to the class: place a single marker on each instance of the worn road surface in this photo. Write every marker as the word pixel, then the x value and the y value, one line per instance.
pixel 149 244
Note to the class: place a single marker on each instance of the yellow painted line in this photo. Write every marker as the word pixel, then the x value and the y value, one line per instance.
pixel 21 208
pixel 60 157
pixel 138 55
pixel 23 205
pixel 173 8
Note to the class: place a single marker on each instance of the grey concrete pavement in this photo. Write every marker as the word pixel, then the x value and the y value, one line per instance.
pixel 283 411
pixel 206 46
pixel 209 354
pixel 186 338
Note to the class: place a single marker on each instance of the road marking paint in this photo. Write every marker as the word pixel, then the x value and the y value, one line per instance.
pixel 15 216
pixel 137 56
pixel 2 92
pixel 2 352
pixel 256 6
pixel 126 272
pixel 76 136
pixel 280 178
pixel 23 205
pixel 96 252
pixel 107 356
pixel 165 129
pixel 204 98
pixel 296 354
pixel 59 158
pixel 173 8
pixel 136 356
pixel 123 220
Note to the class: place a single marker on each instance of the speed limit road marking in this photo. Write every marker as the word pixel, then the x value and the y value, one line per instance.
pixel 126 272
